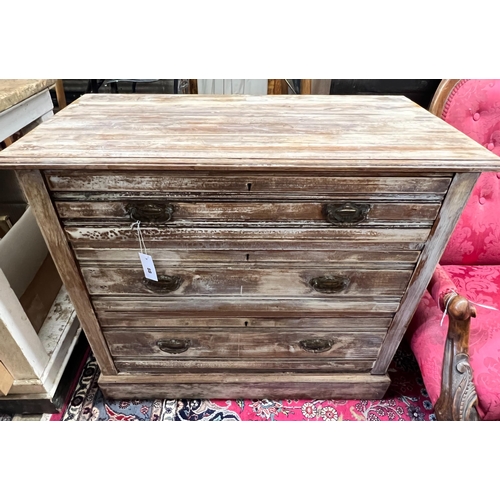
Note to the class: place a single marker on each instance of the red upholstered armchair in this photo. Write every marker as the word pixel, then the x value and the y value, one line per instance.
pixel 460 358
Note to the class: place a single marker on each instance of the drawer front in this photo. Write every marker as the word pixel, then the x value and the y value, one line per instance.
pixel 243 343
pixel 159 212
pixel 249 239
pixel 181 184
pixel 122 318
pixel 248 282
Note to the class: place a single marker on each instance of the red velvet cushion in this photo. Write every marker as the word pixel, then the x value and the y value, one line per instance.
pixel 476 238
pixel 481 284
pixel 473 107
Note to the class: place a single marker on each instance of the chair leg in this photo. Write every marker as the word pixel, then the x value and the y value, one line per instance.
pixel 305 87
pixel 458 398
pixel 60 95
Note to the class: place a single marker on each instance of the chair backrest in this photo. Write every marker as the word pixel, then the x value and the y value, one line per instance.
pixel 473 107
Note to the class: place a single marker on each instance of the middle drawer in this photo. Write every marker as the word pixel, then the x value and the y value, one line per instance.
pixel 248 281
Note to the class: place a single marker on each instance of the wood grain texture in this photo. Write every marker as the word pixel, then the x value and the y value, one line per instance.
pixel 6 380
pixel 13 92
pixel 453 205
pixel 441 96
pixel 249 179
pixel 60 95
pixel 458 398
pixel 93 186
pixel 38 197
pixel 345 322
pixel 245 385
pixel 88 257
pixel 213 132
pixel 305 87
pixel 241 306
pixel 247 282
pixel 105 213
pixel 249 238
pixel 152 365
pixel 243 343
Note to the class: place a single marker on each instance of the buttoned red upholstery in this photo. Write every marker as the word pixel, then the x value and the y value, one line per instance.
pixel 470 264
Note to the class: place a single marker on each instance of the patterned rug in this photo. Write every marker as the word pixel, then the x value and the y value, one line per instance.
pixel 406 399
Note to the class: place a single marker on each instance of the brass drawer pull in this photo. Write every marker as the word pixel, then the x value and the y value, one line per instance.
pixel 316 345
pixel 346 214
pixel 150 212
pixel 174 346
pixel 330 284
pixel 165 284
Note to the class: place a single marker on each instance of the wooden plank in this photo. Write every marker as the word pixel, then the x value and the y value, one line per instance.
pixel 38 298
pixel 88 257
pixel 244 307
pixel 14 91
pixel 106 213
pixel 249 238
pixel 246 184
pixel 152 365
pixel 458 195
pixel 346 322
pixel 305 87
pixel 243 343
pixel 173 130
pixel 38 197
pixel 248 282
pixel 26 387
pixel 60 95
pixel 441 95
pixel 246 385
pixel 21 351
pixel 6 380
pixel 427 167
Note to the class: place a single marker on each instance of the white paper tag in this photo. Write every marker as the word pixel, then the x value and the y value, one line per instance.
pixel 148 266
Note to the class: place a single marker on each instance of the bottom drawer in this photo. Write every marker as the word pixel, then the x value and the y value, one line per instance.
pixel 166 350
pixel 243 343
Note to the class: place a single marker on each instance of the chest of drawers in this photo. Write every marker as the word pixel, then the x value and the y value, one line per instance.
pixel 293 236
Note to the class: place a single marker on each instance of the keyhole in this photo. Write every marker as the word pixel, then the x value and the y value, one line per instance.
pixel 249 186
pixel 248 256
pixel 246 323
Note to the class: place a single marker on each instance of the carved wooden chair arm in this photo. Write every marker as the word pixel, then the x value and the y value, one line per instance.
pixel 458 398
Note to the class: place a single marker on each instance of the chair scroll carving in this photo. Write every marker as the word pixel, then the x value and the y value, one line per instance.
pixel 458 398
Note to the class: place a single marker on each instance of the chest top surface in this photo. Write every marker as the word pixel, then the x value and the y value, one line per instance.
pixel 197 132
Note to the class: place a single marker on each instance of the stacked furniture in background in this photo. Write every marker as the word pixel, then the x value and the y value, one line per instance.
pixel 38 325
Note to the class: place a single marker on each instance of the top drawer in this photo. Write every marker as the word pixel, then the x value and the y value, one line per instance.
pixel 178 185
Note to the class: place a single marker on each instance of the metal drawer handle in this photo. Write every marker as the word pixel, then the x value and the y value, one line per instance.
pixel 150 212
pixel 165 284
pixel 330 284
pixel 174 346
pixel 316 345
pixel 346 214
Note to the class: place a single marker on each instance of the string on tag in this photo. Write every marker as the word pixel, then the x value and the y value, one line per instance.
pixel 142 244
pixel 453 295
pixel 147 263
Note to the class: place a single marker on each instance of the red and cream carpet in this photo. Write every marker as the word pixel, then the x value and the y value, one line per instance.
pixel 406 399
